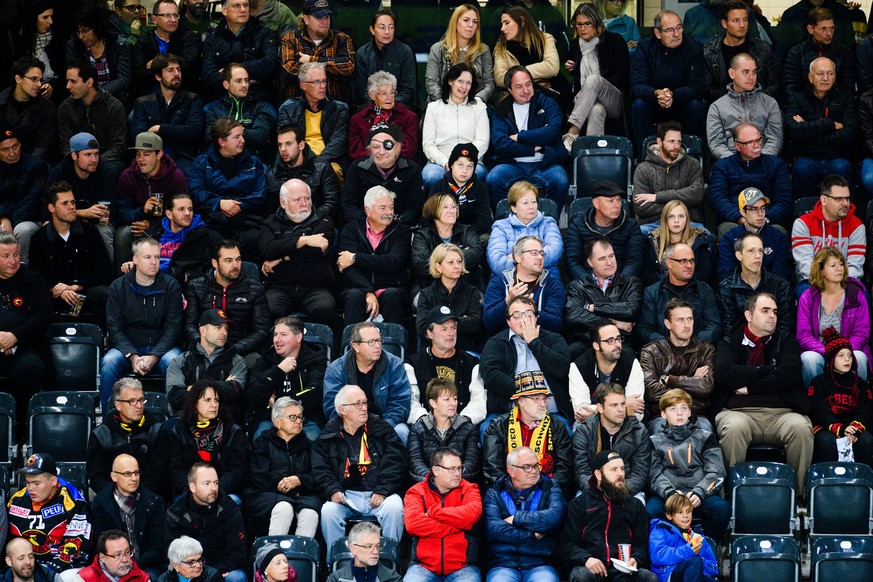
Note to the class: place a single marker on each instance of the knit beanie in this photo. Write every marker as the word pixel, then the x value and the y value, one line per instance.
pixel 265 555
pixel 464 150
pixel 834 342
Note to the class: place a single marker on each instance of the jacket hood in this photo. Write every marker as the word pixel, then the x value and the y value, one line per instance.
pixel 654 157
pixel 516 223
pixel 818 215
pixel 747 94
pixel 196 222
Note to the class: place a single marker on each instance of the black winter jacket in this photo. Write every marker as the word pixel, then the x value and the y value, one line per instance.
pixel 209 574
pixel 272 460
pixel 193 365
pixel 255 47
pixel 181 122
pixel 474 205
pixel 93 189
pixel 795 70
pixel 465 301
pixel 105 119
pixel 22 186
pixel 80 260
pixel 704 304
pixel 681 69
pixel 318 175
pixel 621 301
pixel 28 319
pixel 625 236
pixel 385 266
pixel 145 442
pixel 184 43
pixel 118 57
pixel 817 136
pixel 307 266
pixel 733 293
pixel 218 527
pixel 36 125
pixel 149 519
pixel 334 125
pixel 395 58
pixel 717 78
pixel 425 239
pixel 305 383
pixel 229 459
pixel 137 316
pixel 404 181
pixel 462 436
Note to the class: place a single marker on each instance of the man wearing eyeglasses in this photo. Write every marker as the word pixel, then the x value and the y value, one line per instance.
pixel 832 223
pixel 132 508
pixel 359 465
pixel 667 79
pixel 379 374
pixel 114 561
pixel 441 515
pixel 523 514
pixel 365 545
pixel 822 121
pixel 167 38
pixel 530 424
pixel 25 108
pixel 126 428
pixel 679 282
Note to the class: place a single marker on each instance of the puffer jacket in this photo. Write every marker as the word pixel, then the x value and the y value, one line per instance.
pixel 631 442
pixel 425 239
pixel 734 108
pixel 717 72
pixel 681 180
pixel 334 125
pixel 817 137
pixel 138 317
pixel 385 266
pixel 538 510
pixel 404 180
pixel 448 124
pixel 507 231
pixel 800 56
pixel 668 549
pixel 625 236
pixel 462 436
pixel 22 186
pixel 621 301
pixel 732 174
pixel 776 252
pixel 244 302
pixel 660 358
pixel 443 526
pixel 145 441
pixel 134 188
pixel 209 185
pixel 811 232
pixel 306 266
pixel 255 47
pixel 257 117
pixel 465 301
pixel 704 303
pixel 317 174
pixel 854 321
pixel 438 64
pixel 733 293
pixel 229 458
pixel 686 458
pixel 362 122
pixel 391 391
pixel 549 298
pixel 181 122
pixel 700 241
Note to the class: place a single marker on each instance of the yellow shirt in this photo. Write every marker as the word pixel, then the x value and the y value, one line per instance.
pixel 313 132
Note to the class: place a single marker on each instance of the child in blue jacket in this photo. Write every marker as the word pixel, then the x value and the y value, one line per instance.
pixel 679 554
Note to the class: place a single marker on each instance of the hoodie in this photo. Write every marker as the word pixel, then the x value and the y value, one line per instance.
pixel 134 188
pixel 811 232
pixel 171 241
pixel 681 180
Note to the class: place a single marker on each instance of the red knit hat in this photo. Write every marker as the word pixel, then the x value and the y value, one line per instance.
pixel 834 342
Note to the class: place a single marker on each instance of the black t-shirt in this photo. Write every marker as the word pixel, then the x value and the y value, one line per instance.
pixel 365 382
pixel 445 368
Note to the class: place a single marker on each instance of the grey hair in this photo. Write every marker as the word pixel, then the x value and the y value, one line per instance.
pixel 141 242
pixel 281 404
pixel 284 190
pixel 309 67
pixel 826 59
pixel 340 397
pixel 7 238
pixel 380 79
pixel 181 548
pixel 518 247
pixel 512 456
pixel 129 383
pixel 671 249
pixel 363 528
pixel 660 16
pixel 377 193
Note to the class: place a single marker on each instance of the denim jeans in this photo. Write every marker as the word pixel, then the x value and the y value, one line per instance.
pixel 535 574
pixel 236 576
pixel 418 573
pixel 813 365
pixel 691 570
pixel 550 180
pixel 866 177
pixel 115 365
pixel 806 174
pixel 389 514
pixel 432 173
pixel 714 511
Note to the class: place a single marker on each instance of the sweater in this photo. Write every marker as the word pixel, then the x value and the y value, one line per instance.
pixel 447 124
pixel 812 232
pixel 680 180
pixel 734 108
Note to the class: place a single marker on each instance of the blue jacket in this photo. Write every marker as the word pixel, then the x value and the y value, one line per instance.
pixel 549 297
pixel 776 251
pixel 668 549
pixel 769 174
pixel 181 122
pixel 506 231
pixel 391 389
pixel 543 129
pixel 209 185
pixel 541 511
pixel 682 69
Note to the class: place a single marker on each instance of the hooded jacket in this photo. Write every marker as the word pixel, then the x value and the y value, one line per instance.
pixel 668 549
pixel 686 458
pixel 662 358
pixel 187 253
pixel 272 460
pixel 255 47
pixel 704 303
pixel 812 232
pixel 549 298
pixel 391 389
pixel 544 125
pixel 462 436
pixel 257 117
pixel 218 527
pixel 228 458
pixel 307 267
pixel 817 136
pixel 621 301
pixel 681 180
pixel 245 182
pixel 624 234
pixel 134 188
pixel 631 442
pixel 404 180
pixel 334 124
pixel 443 526
pixel 385 266
pixel 508 230
pixel 317 174
pixel 769 174
pixel 305 383
pixel 144 316
pixel 36 124
pixel 145 441
pixel 717 77
pixel 181 121
pixel 22 187
pixel 732 109
pixel 776 251
pixel 149 519
pixel 733 293
pixel 362 122
pixel 105 119
pixel 654 66
pixel 854 320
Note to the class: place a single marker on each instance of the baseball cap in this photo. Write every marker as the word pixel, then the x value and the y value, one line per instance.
pixel 214 317
pixel 749 196
pixel 604 457
pixel 606 188
pixel 83 141
pixel 148 141
pixel 318 8
pixel 439 315
pixel 39 463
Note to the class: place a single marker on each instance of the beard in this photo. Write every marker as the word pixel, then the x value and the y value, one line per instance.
pixel 299 216
pixel 614 491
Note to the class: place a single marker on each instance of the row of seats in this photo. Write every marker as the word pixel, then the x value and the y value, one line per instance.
pixel 778 559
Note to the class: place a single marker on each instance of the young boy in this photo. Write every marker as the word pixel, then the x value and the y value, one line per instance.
pixel 468 189
pixel 677 552
pixel 687 459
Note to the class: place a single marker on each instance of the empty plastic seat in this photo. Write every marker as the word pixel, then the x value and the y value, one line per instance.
pixel 319 333
pixel 545 205
pixel 75 350
pixel 835 558
pixel 302 554
pixel 804 205
pixel 60 425
pixel 763 499
pixel 601 157
pixel 8 446
pixel 840 499
pixel 393 338
pixel 765 558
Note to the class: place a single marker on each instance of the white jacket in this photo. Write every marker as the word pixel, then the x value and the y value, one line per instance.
pixel 447 124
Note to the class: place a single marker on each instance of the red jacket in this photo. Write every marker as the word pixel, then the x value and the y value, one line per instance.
pixel 442 526
pixel 361 123
pixel 94 573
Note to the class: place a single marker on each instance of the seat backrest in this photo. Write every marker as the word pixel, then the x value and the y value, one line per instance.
pixel 60 424
pixel 76 330
pixel 8 446
pixel 303 554
pixel 75 350
pixel 840 498
pixel 76 474
pixel 841 558
pixel 393 338
pixel 804 205
pixel 590 169
pixel 545 205
pixel 771 558
pixel 763 499
pixel 320 334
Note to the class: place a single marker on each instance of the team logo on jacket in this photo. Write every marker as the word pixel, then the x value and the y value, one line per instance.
pixel 18 302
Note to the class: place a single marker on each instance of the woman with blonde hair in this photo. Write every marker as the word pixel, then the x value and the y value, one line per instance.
pixel 675 227
pixel 525 219
pixel 440 225
pixel 460 43
pixel 833 300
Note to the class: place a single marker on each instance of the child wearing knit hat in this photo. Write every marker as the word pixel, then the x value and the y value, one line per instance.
pixel 842 403
pixel 470 191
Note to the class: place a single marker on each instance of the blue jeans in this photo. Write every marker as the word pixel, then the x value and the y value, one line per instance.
pixel 867 177
pixel 236 576
pixel 806 174
pixel 115 365
pixel 553 179
pixel 714 511
pixel 432 173
pixel 389 514
pixel 536 574
pixel 418 573
pixel 691 570
pixel 813 365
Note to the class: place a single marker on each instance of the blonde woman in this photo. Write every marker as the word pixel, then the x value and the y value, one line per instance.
pixel 460 43
pixel 675 227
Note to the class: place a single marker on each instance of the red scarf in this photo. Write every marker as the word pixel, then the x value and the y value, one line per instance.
pixel 756 355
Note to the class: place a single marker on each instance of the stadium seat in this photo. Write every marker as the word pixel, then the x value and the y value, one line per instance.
pixel 693 145
pixel 302 552
pixel 770 558
pixel 580 207
pixel 834 558
pixel 75 350
pixel 60 425
pixel 157 406
pixel 601 157
pixel 545 205
pixel 763 499
pixel 76 474
pixel 8 446
pixel 840 499
pixel 393 338
pixel 804 205
pixel 340 556
pixel 318 333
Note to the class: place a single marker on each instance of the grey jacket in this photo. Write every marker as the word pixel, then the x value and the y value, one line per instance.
pixel 383 574
pixel 438 65
pixel 631 442
pixel 729 111
pixel 681 180
pixel 688 459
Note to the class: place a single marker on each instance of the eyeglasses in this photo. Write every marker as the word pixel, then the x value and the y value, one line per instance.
pixel 320 82
pixel 452 469
pixel 369 547
pixel 539 399
pixel 756 209
pixel 295 418
pixel 192 563
pixel 586 24
pixel 516 315
pixel 386 94
pixel 33 79
pixel 133 401
pixel 528 468
pixel 673 30
pixel 611 341
pixel 840 199
pixel 168 16
pixel 358 404
pixel 370 342
pixel 120 555
pixel 683 262
pixel 535 253
pixel 128 474
pixel 134 8
pixel 751 142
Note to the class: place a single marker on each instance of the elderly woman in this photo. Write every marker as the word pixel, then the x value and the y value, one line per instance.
pixel 440 225
pixel 383 108
pixel 460 43
pixel 833 300
pixel 110 56
pixel 280 474
pixel 206 432
pixel 456 117
pixel 675 227
pixel 185 555
pixel 524 219
pixel 600 64
pixel 446 268
pixel 271 565
pixel 613 14
pixel 443 427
